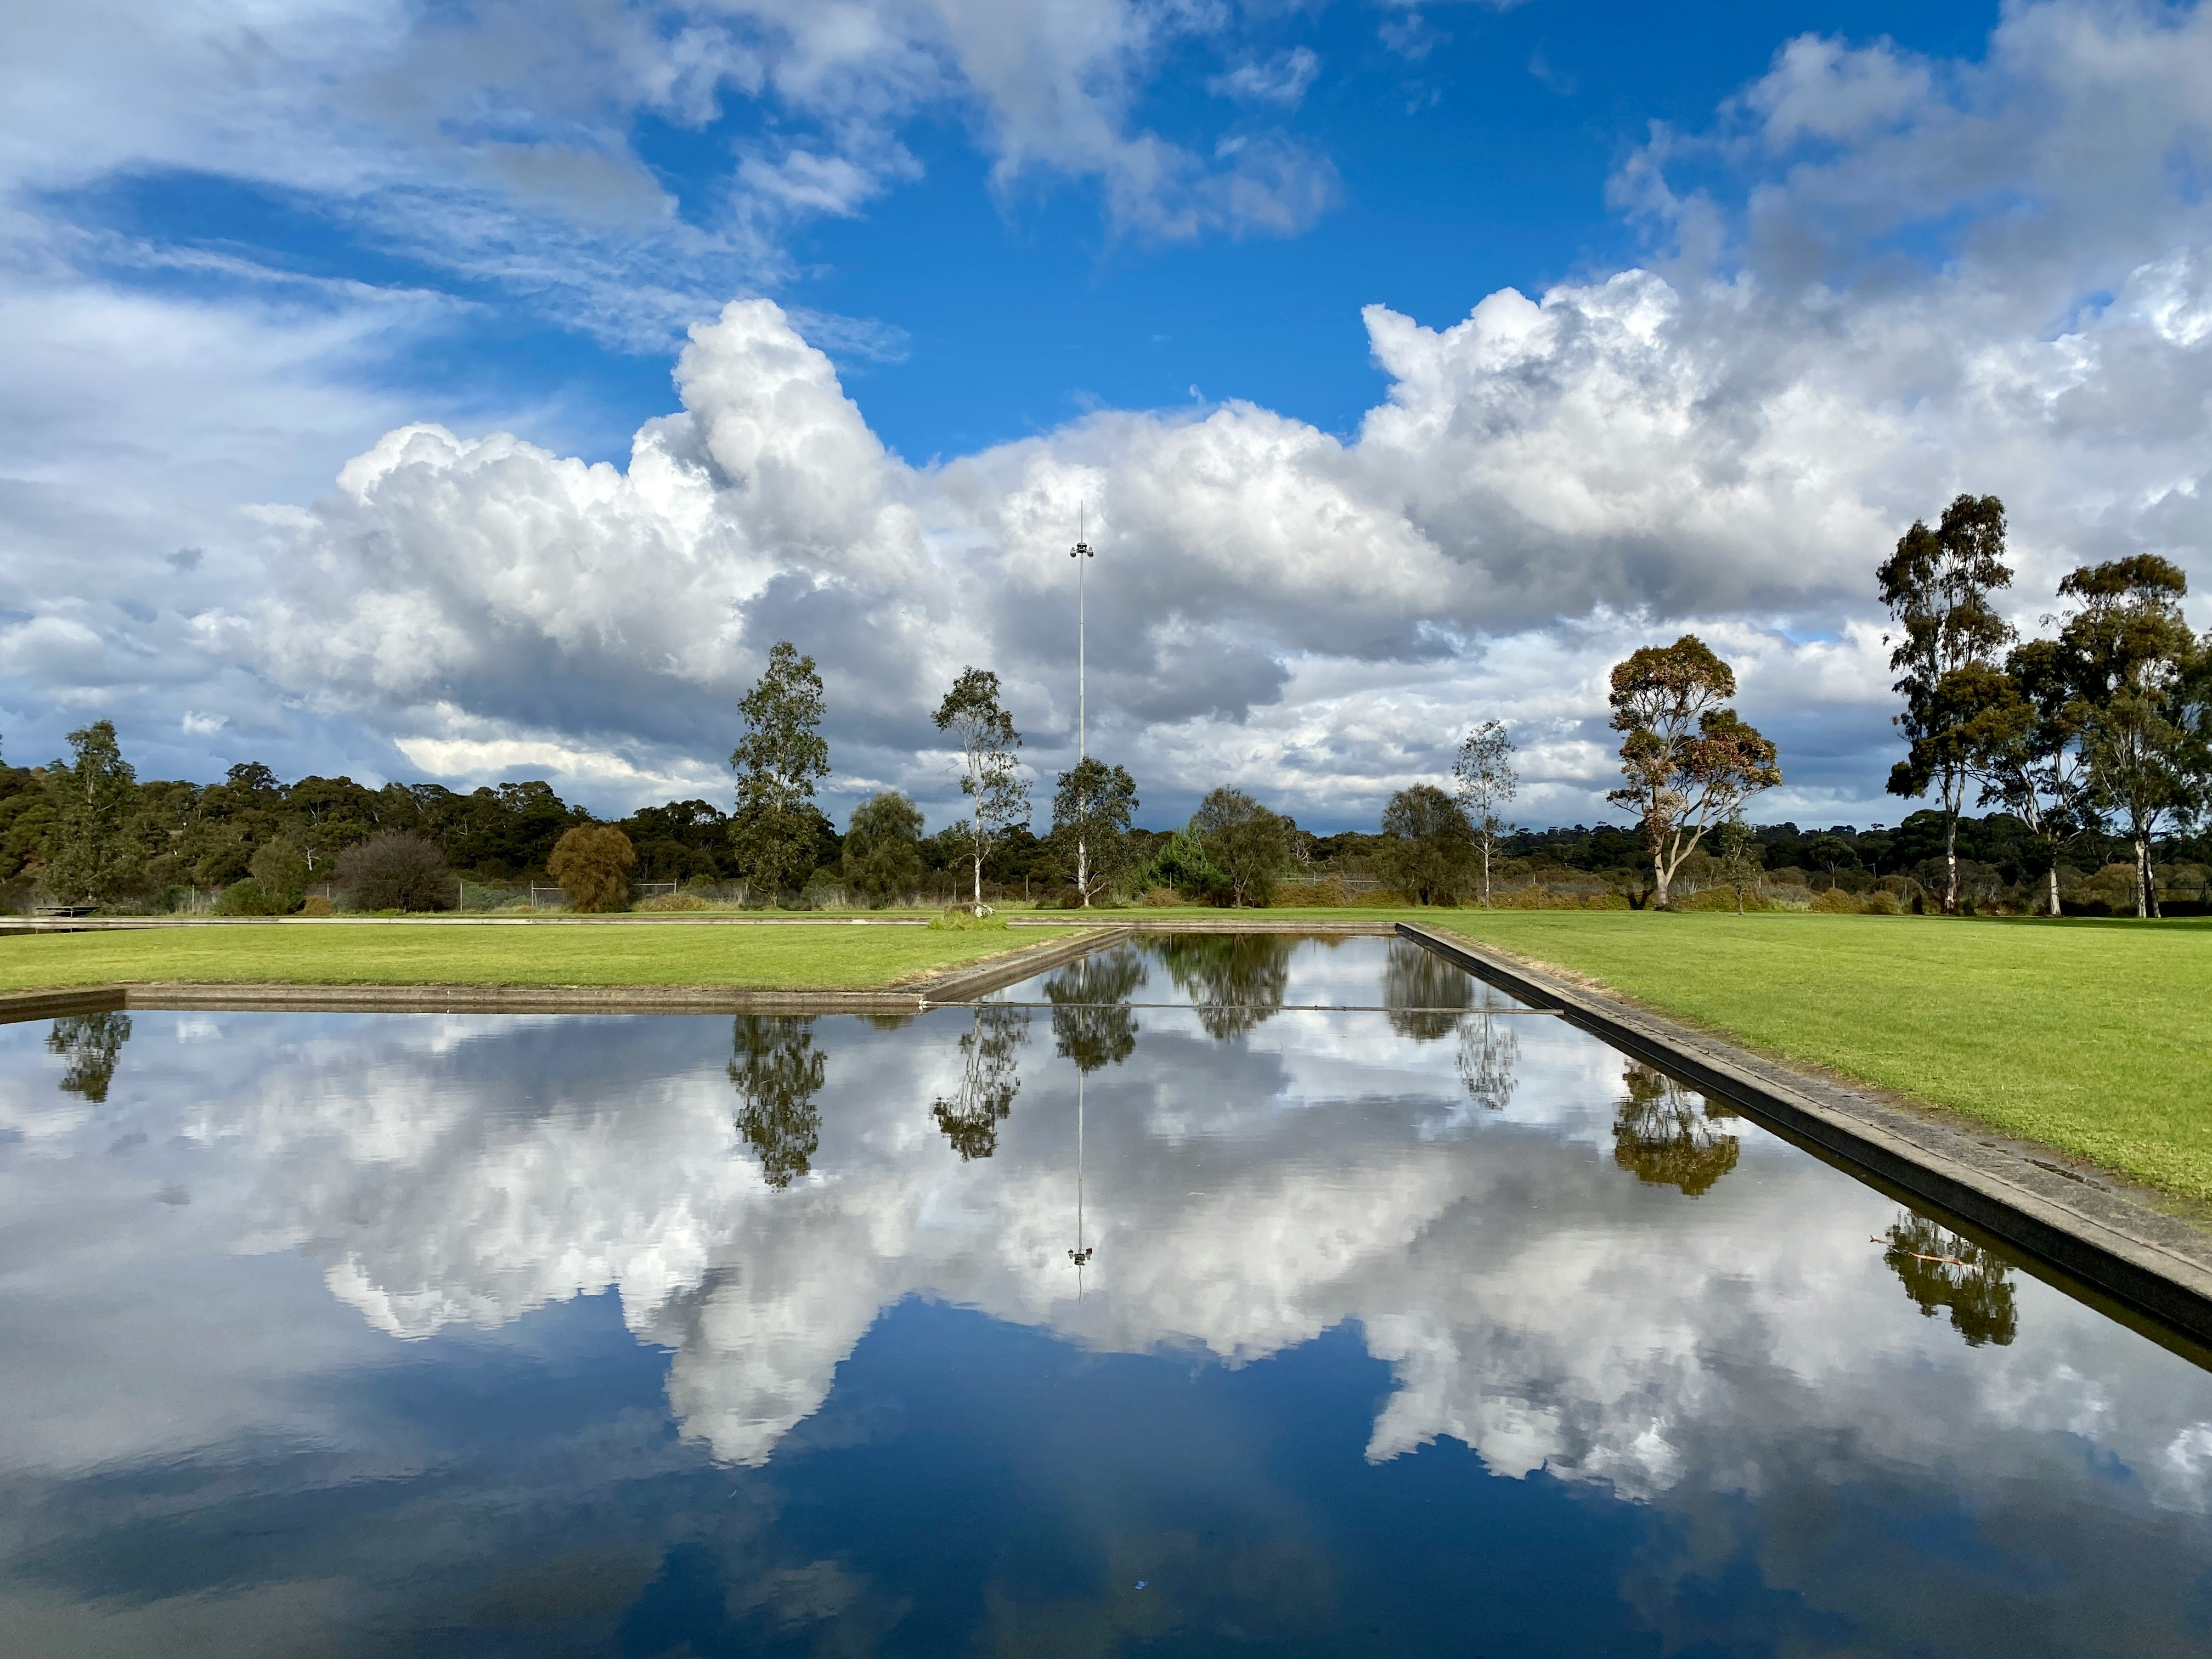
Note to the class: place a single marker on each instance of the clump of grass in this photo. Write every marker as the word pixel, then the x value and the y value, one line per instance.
pixel 966 918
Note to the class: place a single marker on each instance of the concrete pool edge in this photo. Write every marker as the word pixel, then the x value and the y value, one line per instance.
pixel 961 983
pixel 2091 1231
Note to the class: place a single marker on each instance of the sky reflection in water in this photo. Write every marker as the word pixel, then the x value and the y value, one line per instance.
pixel 1429 1325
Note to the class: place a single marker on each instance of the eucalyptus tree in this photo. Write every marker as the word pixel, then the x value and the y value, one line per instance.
pixel 1938 586
pixel 1691 761
pixel 990 775
pixel 2138 708
pixel 1488 783
pixel 2026 751
pixel 1247 842
pixel 1090 811
pixel 1428 848
pixel 89 851
pixel 1736 849
pixel 776 829
pixel 882 847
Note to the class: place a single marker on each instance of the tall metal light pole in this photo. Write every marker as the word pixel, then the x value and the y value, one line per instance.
pixel 1082 555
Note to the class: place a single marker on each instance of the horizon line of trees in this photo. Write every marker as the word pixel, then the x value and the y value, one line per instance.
pixel 2107 725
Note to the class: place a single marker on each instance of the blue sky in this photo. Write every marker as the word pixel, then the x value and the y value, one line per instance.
pixel 1759 284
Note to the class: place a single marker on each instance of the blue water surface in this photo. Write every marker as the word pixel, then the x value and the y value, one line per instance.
pixel 1214 1296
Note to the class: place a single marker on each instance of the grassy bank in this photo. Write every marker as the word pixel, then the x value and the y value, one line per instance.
pixel 767 958
pixel 2091 1036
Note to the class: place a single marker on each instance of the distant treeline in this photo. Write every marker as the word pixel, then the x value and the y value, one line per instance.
pixel 2000 841
pixel 191 838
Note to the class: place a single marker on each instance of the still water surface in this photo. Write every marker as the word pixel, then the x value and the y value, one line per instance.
pixel 1351 1310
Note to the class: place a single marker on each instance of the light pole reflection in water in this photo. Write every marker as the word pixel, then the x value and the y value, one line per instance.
pixel 1080 1255
pixel 1092 1026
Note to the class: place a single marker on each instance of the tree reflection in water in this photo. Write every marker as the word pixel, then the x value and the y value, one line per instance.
pixel 989 1080
pixel 92 1043
pixel 1489 1049
pixel 1424 994
pixel 1668 1136
pixel 1236 980
pixel 1093 1024
pixel 1939 1269
pixel 777 1074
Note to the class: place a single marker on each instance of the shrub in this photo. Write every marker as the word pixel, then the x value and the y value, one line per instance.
pixel 678 900
pixel 1879 903
pixel 281 868
pixel 592 862
pixel 1837 902
pixel 1161 898
pixel 959 919
pixel 1710 898
pixel 1329 893
pixel 395 870
pixel 317 905
pixel 248 898
pixel 1789 898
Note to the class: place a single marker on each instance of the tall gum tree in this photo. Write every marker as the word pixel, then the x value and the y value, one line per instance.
pixel 777 826
pixel 2138 710
pixel 90 855
pixel 1690 762
pixel 1091 810
pixel 998 796
pixel 1937 586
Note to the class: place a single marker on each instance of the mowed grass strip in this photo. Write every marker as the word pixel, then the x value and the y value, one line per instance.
pixel 839 958
pixel 2094 1037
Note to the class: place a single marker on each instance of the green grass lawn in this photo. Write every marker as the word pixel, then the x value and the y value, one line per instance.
pixel 767 958
pixel 2094 1036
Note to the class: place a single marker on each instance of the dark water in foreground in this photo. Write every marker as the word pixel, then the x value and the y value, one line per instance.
pixel 1421 1327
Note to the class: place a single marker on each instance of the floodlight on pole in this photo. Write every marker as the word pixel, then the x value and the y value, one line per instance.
pixel 1082 555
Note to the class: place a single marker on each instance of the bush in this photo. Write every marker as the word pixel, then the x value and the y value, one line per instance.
pixel 1713 898
pixel 249 898
pixel 395 870
pixel 959 919
pixel 1161 898
pixel 1837 902
pixel 592 862
pixel 1329 893
pixel 1880 903
pixel 317 905
pixel 281 868
pixel 671 901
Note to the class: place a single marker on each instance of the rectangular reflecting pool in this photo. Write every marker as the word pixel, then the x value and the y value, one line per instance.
pixel 1213 1295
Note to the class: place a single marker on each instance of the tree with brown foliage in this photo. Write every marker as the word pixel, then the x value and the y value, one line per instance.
pixel 592 863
